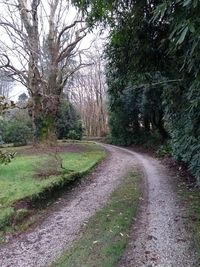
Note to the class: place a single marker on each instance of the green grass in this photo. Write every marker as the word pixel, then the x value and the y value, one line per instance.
pixel 106 234
pixel 18 179
pixel 191 197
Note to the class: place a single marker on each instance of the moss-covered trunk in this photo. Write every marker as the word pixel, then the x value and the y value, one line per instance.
pixel 44 114
pixel 45 129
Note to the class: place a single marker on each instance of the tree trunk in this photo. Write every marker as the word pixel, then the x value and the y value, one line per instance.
pixel 46 130
pixel 44 114
pixel 164 134
pixel 146 124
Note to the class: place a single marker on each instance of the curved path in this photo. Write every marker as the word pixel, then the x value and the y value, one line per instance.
pixel 161 236
pixel 63 225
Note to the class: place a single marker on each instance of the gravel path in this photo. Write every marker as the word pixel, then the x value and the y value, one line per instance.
pixel 63 225
pixel 160 236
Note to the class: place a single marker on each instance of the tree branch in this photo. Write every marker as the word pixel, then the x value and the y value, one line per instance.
pixel 67 28
pixel 67 51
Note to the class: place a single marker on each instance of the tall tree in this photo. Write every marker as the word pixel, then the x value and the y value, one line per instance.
pixel 41 51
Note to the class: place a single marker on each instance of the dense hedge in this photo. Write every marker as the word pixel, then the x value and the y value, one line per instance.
pixel 153 72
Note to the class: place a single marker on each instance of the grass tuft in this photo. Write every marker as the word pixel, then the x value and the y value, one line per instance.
pixel 106 234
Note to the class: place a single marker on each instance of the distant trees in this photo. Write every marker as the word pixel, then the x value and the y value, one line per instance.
pixel 88 93
pixel 6 84
pixel 138 64
pixel 41 51
pixel 23 98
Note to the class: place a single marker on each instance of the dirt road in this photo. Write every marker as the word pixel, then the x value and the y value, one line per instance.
pixel 63 225
pixel 160 237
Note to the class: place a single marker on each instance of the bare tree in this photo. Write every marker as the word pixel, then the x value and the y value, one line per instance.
pixel 88 93
pixel 6 84
pixel 41 50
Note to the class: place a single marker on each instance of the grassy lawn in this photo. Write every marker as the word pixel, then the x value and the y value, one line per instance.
pixel 106 234
pixel 20 180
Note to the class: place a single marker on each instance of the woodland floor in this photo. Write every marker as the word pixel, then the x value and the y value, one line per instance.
pixel 160 235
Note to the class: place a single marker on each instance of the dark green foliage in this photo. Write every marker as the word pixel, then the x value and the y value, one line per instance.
pixel 1 140
pixel 68 124
pixel 16 132
pixel 124 117
pixel 182 101
pixel 164 150
pixel 135 61
pixel 184 18
pixel 154 46
pixel 77 132
pixel 183 118
pixel 6 157
pixel 100 11
pixel 16 127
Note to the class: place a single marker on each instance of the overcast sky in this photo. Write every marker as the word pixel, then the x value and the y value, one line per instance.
pixel 18 88
pixel 86 42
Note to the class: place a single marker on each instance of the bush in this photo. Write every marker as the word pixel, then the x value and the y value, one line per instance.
pixel 16 132
pixel 73 135
pixel 6 157
pixel 182 116
pixel 68 122
pixel 164 150
pixel 76 133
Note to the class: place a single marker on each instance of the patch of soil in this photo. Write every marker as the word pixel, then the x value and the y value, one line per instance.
pixel 44 174
pixel 22 204
pixel 72 148
pixel 180 170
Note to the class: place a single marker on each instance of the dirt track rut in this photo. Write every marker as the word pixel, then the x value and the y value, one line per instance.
pixel 61 227
pixel 160 236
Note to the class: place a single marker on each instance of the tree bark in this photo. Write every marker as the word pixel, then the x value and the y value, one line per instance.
pixel 44 114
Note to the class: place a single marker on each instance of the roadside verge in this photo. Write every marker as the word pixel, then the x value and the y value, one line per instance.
pixel 106 234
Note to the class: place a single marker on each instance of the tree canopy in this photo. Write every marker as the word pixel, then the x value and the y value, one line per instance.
pixel 153 72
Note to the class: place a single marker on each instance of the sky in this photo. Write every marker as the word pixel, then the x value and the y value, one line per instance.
pixel 18 88
pixel 69 17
